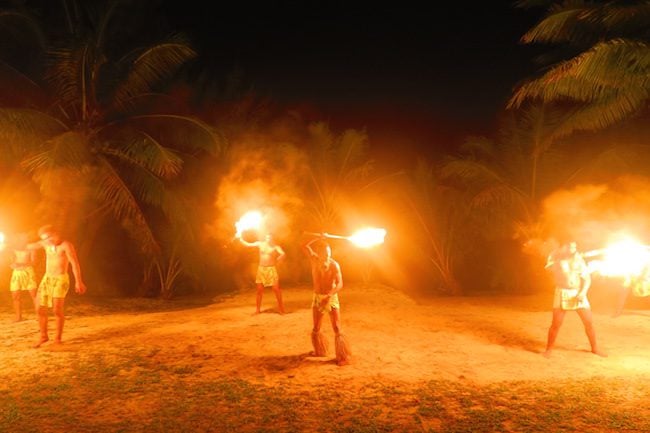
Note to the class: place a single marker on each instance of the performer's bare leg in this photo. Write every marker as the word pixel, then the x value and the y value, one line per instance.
pixel 42 325
pixel 57 307
pixel 625 291
pixel 15 296
pixel 587 321
pixel 342 348
pixel 258 300
pixel 278 296
pixel 317 338
pixel 33 294
pixel 558 318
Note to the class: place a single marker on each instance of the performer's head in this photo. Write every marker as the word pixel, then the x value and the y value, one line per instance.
pixel 568 250
pixel 323 250
pixel 22 239
pixel 49 234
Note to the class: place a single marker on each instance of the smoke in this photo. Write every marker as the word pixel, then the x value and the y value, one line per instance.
pixel 593 215
pixel 267 175
pixel 261 176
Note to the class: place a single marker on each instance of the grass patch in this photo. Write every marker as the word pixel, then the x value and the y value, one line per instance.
pixel 132 394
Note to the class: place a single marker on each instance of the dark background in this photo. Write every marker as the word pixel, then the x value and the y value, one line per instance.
pixel 422 79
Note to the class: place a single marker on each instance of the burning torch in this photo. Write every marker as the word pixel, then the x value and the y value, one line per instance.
pixel 364 238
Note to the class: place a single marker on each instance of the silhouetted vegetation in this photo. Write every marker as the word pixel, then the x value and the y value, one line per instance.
pixel 146 161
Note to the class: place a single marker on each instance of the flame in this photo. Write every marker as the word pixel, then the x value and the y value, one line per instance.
pixel 367 238
pixel 251 220
pixel 2 238
pixel 624 258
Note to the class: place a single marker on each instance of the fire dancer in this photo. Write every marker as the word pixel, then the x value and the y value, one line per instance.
pixel 59 254
pixel 23 278
pixel 572 281
pixel 327 282
pixel 267 274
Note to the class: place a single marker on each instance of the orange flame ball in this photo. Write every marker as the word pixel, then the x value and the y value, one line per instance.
pixel 251 220
pixel 369 237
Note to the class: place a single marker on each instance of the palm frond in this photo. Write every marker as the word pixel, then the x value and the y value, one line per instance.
pixel 23 131
pixel 598 73
pixel 470 172
pixel 151 68
pixel 564 23
pixel 112 190
pixel 351 147
pixel 498 197
pixel 621 19
pixel 69 75
pixel 145 152
pixel 602 114
pixel 183 133
pixel 143 183
pixel 69 149
pixel 477 148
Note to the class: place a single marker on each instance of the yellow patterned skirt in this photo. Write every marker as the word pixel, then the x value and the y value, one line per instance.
pixel 332 304
pixel 267 276
pixel 23 279
pixel 52 286
pixel 567 299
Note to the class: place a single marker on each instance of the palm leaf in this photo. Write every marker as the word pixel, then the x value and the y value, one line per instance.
pixel 147 153
pixel 23 131
pixel 69 75
pixel 564 23
pixel 69 149
pixel 150 69
pixel 184 133
pixel 112 190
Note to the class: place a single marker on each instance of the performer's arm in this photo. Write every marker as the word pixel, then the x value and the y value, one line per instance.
pixel 307 249
pixel 246 243
pixel 338 280
pixel 281 253
pixel 80 286
pixel 586 283
pixel 34 246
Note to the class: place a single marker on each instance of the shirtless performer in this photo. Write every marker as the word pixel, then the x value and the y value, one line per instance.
pixel 23 277
pixel 327 282
pixel 267 274
pixel 572 281
pixel 59 254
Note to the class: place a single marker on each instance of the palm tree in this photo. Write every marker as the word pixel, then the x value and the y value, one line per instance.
pixel 602 70
pixel 505 180
pixel 338 169
pixel 436 224
pixel 101 139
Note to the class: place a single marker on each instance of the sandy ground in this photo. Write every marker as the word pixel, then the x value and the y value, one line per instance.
pixel 393 337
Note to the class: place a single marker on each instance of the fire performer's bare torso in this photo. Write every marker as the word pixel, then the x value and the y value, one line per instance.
pixel 22 259
pixel 325 275
pixel 57 261
pixel 568 273
pixel 269 254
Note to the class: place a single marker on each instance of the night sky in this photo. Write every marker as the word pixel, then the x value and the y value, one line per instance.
pixel 426 78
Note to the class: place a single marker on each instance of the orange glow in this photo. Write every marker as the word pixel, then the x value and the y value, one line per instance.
pixel 2 238
pixel 624 258
pixel 368 237
pixel 251 220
